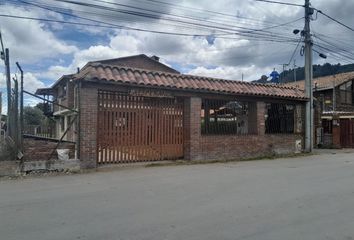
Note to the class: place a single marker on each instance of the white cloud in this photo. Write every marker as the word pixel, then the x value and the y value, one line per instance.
pixel 30 41
pixel 30 83
pixel 226 58
pixel 80 58
pixel 231 73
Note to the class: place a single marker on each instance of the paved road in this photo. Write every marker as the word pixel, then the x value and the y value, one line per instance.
pixel 298 198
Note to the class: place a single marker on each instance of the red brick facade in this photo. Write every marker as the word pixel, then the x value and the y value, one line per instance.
pixel 140 73
pixel 196 145
pixel 256 144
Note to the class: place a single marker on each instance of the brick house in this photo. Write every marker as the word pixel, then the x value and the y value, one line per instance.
pixel 334 109
pixel 136 109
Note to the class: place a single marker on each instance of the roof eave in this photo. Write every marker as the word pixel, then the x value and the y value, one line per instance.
pixel 95 80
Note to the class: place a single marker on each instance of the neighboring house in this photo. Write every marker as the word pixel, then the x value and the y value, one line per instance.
pixel 137 109
pixel 62 93
pixel 334 112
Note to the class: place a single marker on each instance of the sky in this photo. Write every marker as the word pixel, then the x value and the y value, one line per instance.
pixel 227 39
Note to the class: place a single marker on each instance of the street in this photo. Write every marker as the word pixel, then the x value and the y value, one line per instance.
pixel 308 197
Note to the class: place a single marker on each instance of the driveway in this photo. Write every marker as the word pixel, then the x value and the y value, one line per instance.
pixel 297 198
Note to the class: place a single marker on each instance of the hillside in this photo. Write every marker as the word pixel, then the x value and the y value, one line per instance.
pixel 318 71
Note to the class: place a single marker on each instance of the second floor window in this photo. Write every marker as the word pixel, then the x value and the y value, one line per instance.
pixel 62 91
pixel 346 93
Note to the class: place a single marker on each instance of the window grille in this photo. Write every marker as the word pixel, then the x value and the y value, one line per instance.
pixel 279 118
pixel 224 117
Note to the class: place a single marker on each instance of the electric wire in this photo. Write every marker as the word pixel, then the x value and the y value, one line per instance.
pixel 282 3
pixel 245 34
pixel 335 20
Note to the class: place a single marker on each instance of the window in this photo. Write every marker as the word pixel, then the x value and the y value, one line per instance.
pixel 224 117
pixel 279 118
pixel 68 121
pixel 62 90
pixel 62 124
pixel 346 93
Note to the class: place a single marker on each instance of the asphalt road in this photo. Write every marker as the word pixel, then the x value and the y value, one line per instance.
pixel 298 198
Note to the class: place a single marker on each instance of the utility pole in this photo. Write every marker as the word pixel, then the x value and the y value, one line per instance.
pixel 8 84
pixel 14 109
pixel 21 108
pixel 295 70
pixel 308 79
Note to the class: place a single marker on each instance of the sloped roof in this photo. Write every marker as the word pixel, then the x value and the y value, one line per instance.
pixel 138 61
pixel 143 77
pixel 324 83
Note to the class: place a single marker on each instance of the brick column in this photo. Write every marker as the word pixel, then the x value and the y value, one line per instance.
pixel 192 120
pixel 88 127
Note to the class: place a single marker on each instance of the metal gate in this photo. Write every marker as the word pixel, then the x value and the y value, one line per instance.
pixel 347 133
pixel 138 128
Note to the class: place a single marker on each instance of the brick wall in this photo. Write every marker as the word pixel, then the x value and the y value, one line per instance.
pixel 256 144
pixel 248 146
pixel 88 126
pixel 196 145
pixel 38 150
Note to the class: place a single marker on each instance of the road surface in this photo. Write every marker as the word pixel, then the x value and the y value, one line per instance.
pixel 297 198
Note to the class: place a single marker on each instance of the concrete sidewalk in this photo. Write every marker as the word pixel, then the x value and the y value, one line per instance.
pixel 308 197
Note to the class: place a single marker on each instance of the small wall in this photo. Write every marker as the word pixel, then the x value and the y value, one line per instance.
pixel 9 168
pixel 248 146
pixel 39 150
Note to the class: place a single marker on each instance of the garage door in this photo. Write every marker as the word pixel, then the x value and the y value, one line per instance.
pixel 347 133
pixel 138 129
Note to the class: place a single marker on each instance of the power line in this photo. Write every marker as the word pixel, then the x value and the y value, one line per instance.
pixel 249 30
pixel 335 20
pixel 101 26
pixel 204 10
pixel 339 49
pixel 334 52
pixel 265 35
pixel 293 55
pixel 222 28
pixel 283 3
pixel 136 29
pixel 186 17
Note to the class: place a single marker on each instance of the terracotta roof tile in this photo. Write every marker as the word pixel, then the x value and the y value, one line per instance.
pixel 324 82
pixel 135 76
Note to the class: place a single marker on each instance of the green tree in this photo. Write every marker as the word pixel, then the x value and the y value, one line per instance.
pixel 33 115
